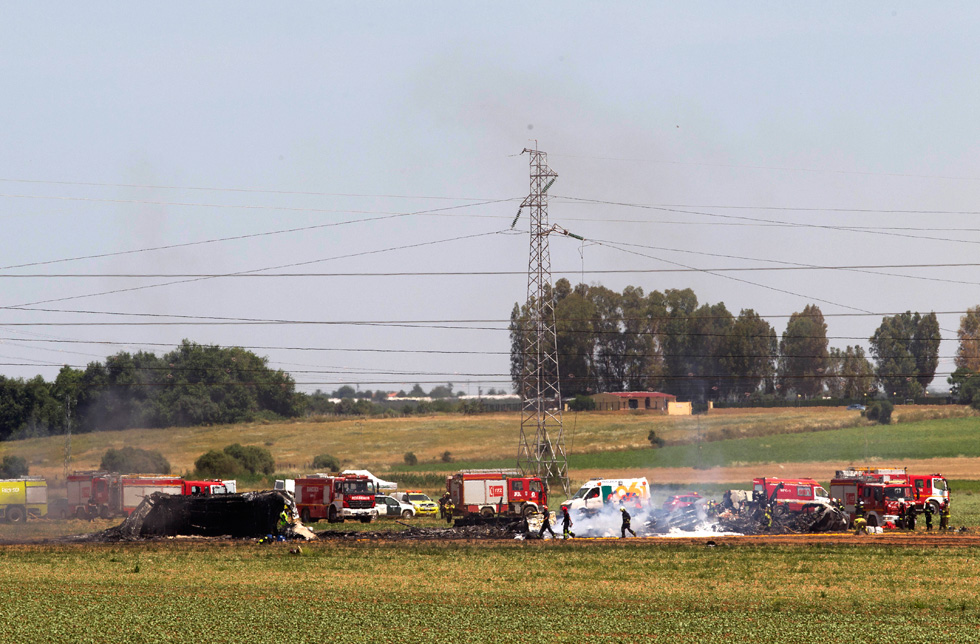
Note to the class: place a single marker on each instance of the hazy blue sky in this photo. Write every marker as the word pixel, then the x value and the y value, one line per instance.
pixel 738 135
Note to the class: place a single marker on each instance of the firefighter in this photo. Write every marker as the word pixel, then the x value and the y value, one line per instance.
pixel 927 511
pixel 284 520
pixel 944 516
pixel 860 525
pixel 626 524
pixel 566 524
pixel 546 524
pixel 900 522
pixel 443 500
pixel 910 518
pixel 766 522
pixel 448 510
pixel 858 508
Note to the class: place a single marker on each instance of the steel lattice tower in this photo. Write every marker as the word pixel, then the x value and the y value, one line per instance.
pixel 540 389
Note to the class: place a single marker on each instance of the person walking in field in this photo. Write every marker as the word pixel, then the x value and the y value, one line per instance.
pixel 546 523
pixel 566 524
pixel 626 524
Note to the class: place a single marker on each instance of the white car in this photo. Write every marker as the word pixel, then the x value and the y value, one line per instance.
pixel 391 507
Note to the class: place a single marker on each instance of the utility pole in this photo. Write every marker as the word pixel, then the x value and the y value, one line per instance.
pixel 540 392
pixel 68 405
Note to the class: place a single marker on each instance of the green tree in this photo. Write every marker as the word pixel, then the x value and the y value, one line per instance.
pixel 906 352
pixel 411 458
pixel 749 354
pixel 253 459
pixel 134 460
pixel 13 467
pixel 326 462
pixel 442 391
pixel 849 374
pixel 217 465
pixel 968 351
pixel 803 353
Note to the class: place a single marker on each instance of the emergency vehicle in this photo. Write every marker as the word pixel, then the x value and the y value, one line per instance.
pixel 791 495
pixel 492 493
pixel 424 506
pixel 880 494
pixel 105 494
pixel 599 493
pixel 926 488
pixel 23 498
pixel 335 498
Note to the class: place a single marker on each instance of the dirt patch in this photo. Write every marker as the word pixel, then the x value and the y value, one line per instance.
pixel 951 468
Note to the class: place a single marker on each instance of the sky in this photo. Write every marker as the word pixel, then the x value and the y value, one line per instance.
pixel 372 152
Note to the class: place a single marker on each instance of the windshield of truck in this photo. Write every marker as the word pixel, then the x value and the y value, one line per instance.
pixel 581 492
pixel 219 489
pixel 939 485
pixel 820 492
pixel 898 493
pixel 418 498
pixel 358 487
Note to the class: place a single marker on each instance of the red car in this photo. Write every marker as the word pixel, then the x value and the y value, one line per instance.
pixel 680 501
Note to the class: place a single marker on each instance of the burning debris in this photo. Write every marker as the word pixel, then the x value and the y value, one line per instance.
pixel 254 514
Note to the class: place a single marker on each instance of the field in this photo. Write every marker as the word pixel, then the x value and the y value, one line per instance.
pixel 781 589
pixel 593 440
pixel 517 592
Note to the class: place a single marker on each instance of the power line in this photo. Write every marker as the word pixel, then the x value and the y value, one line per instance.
pixel 791 267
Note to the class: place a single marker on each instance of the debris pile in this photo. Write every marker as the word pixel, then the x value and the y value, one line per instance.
pixel 253 514
pixel 486 531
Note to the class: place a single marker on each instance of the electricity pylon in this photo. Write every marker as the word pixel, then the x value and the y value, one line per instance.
pixel 540 388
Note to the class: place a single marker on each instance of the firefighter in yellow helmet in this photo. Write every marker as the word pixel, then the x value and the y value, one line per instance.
pixel 284 519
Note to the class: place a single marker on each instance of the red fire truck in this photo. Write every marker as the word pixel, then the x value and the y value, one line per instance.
pixel 880 493
pixel 336 498
pixel 926 488
pixel 490 493
pixel 105 494
pixel 790 495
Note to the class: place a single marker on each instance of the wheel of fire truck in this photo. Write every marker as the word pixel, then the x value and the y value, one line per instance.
pixel 16 514
pixel 486 513
pixel 332 515
pixel 81 512
pixel 304 516
pixel 529 511
pixel 407 514
pixel 780 510
pixel 105 512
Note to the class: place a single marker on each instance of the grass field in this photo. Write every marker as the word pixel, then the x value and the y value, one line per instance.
pixel 948 437
pixel 592 439
pixel 517 592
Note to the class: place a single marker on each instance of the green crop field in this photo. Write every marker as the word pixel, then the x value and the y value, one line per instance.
pixel 940 438
pixel 173 593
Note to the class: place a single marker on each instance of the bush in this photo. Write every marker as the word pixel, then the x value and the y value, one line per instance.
pixel 881 412
pixel 581 403
pixel 134 459
pixel 217 465
pixel 411 458
pixel 13 467
pixel 655 440
pixel 253 459
pixel 446 457
pixel 326 462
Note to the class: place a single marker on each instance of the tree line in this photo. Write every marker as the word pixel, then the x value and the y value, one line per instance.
pixel 192 385
pixel 668 341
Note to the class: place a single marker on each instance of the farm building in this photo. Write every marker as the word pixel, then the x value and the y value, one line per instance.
pixel 624 400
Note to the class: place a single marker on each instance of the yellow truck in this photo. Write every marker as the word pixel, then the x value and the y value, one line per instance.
pixel 22 498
